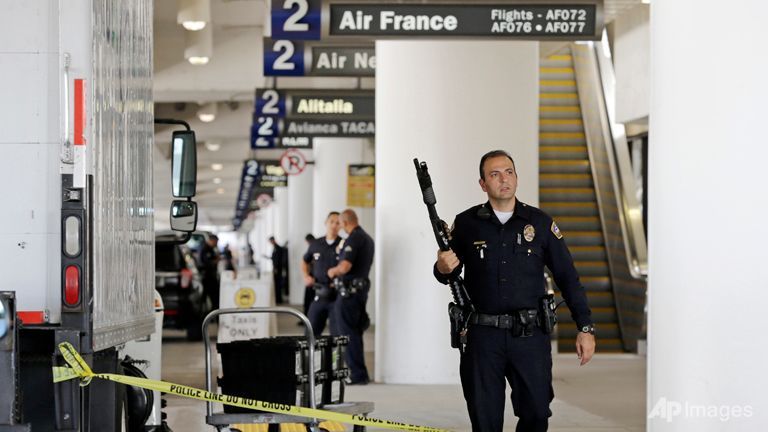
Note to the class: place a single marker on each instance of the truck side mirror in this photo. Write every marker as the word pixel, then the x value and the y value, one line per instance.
pixel 183 216
pixel 184 164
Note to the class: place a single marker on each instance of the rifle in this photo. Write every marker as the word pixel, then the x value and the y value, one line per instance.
pixel 460 309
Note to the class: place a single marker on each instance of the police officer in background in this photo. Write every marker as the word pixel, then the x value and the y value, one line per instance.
pixel 321 256
pixel 208 260
pixel 355 260
pixel 309 290
pixel 279 254
pixel 503 246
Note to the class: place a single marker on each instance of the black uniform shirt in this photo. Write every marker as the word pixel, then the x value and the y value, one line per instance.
pixel 358 250
pixel 321 256
pixel 504 264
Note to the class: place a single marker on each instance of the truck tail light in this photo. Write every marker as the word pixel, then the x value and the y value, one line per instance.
pixel 186 278
pixel 72 285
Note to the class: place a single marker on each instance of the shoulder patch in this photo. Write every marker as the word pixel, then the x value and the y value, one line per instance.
pixel 556 230
pixel 348 248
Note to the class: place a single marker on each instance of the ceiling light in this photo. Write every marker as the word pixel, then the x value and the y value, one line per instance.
pixel 213 146
pixel 194 14
pixel 217 167
pixel 207 112
pixel 194 25
pixel 198 61
pixel 217 180
pixel 199 46
pixel 220 191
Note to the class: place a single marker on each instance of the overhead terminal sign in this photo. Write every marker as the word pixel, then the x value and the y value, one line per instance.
pixel 297 58
pixel 565 20
pixel 290 118
pixel 296 19
pixel 328 128
pixel 248 179
pixel 332 60
pixel 271 175
pixel 331 104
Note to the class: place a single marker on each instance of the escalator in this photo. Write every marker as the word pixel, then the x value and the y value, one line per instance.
pixel 579 188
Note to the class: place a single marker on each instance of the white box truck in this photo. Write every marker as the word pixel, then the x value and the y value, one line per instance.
pixel 77 226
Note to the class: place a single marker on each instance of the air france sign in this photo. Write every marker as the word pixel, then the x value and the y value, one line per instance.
pixel 526 21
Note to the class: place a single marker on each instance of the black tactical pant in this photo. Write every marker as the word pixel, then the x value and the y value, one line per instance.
pixel 350 313
pixel 493 356
pixel 320 311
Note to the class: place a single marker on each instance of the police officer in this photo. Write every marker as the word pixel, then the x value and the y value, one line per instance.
pixel 321 255
pixel 355 260
pixel 279 254
pixel 503 246
pixel 309 290
pixel 208 260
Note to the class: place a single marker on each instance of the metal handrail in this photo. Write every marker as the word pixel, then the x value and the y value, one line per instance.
pixel 630 212
pixel 284 310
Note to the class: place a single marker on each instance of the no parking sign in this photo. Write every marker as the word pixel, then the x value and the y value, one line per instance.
pixel 293 162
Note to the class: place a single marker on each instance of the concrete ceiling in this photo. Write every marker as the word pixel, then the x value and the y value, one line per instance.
pixel 229 79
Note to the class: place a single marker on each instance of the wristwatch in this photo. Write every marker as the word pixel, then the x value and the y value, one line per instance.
pixel 590 328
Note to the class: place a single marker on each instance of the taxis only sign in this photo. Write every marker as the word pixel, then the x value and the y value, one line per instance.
pixel 570 20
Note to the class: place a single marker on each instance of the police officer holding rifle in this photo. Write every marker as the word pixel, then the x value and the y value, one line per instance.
pixel 503 327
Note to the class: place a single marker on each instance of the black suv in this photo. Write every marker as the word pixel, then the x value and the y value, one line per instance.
pixel 179 284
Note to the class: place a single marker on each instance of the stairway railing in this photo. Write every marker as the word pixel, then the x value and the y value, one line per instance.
pixel 620 211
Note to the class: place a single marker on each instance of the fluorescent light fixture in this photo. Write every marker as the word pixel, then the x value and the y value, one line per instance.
pixel 220 191
pixel 198 61
pixel 194 14
pixel 217 180
pixel 213 146
pixel 194 25
pixel 217 167
pixel 207 112
pixel 199 46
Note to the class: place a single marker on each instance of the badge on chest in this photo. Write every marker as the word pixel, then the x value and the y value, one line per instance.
pixel 529 233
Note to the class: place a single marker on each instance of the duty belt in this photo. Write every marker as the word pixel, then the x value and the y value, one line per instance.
pixel 521 322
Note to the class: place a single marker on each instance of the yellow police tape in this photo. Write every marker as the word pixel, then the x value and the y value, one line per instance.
pixel 78 368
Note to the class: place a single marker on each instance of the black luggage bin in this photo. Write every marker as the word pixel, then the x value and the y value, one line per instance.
pixel 270 370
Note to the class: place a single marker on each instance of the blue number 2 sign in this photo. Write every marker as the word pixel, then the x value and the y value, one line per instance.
pixel 283 58
pixel 296 19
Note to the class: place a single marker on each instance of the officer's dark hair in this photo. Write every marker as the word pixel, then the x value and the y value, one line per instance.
pixel 213 237
pixel 309 237
pixel 493 154
pixel 333 213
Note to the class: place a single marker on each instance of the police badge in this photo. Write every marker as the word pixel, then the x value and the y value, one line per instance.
pixel 529 232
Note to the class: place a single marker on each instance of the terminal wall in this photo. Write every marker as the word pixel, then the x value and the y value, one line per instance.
pixel 631 57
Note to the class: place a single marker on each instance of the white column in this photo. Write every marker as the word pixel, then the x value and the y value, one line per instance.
pixel 448 103
pixel 280 205
pixel 299 225
pixel 332 157
pixel 707 207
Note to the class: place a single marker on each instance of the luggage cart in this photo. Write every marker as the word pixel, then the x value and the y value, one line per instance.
pixel 221 420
